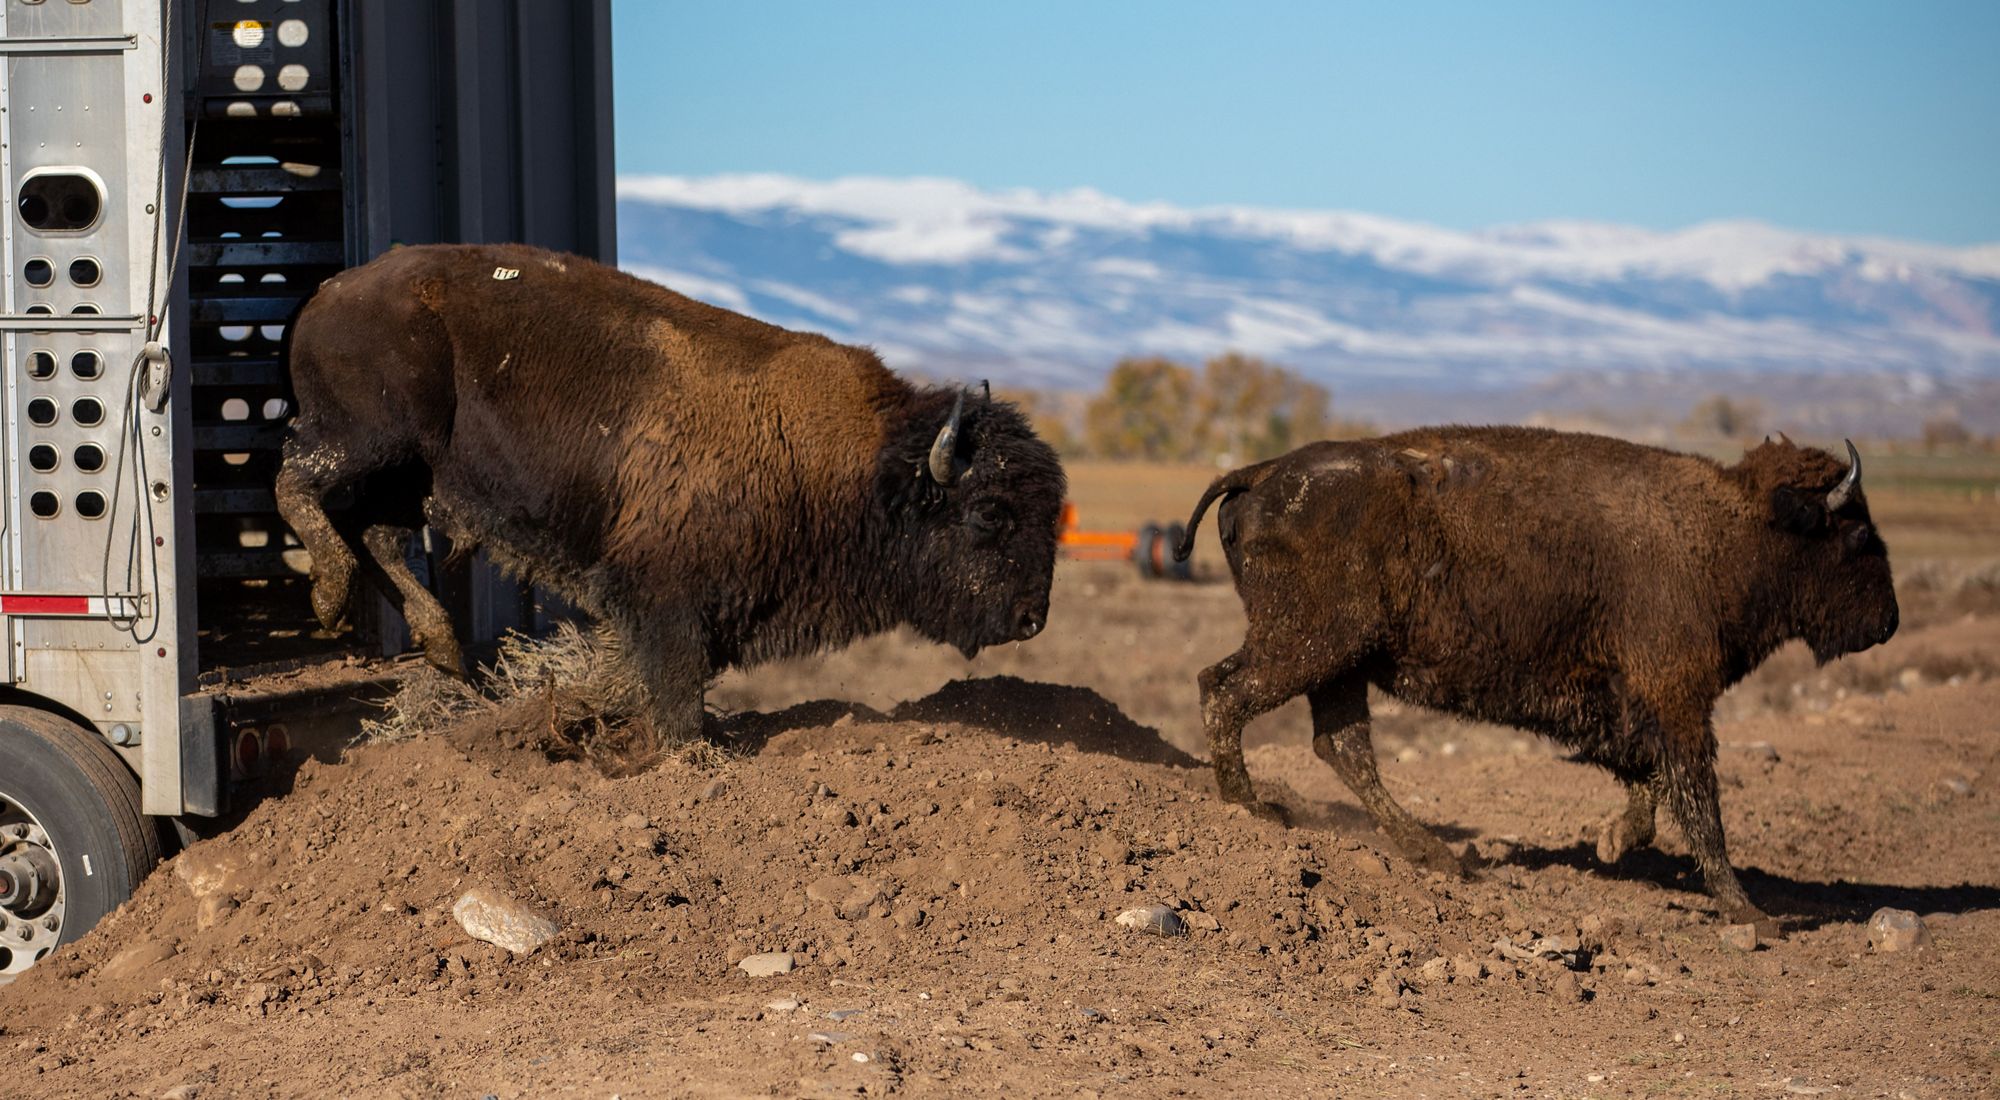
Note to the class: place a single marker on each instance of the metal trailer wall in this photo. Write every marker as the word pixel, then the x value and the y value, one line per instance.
pixel 91 532
pixel 477 121
pixel 482 120
pixel 323 133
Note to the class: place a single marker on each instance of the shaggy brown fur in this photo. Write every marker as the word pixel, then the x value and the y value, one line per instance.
pixel 1593 590
pixel 718 490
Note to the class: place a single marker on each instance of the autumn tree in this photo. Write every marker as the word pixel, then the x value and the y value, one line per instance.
pixel 1719 416
pixel 1251 410
pixel 1147 411
pixel 1945 434
pixel 1046 414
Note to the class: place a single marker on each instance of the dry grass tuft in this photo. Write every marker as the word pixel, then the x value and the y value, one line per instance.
pixel 574 685
pixel 426 700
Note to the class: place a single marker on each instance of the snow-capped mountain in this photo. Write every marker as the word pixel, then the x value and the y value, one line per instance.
pixel 1050 289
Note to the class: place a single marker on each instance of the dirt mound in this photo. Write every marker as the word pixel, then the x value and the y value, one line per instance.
pixel 947 897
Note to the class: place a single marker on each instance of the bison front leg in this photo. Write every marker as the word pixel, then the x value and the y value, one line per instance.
pixel 1342 737
pixel 670 652
pixel 1687 780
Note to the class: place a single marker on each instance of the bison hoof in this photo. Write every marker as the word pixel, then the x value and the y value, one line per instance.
pixel 1618 836
pixel 444 656
pixel 330 605
pixel 1423 848
pixel 1768 928
pixel 1270 811
pixel 1441 859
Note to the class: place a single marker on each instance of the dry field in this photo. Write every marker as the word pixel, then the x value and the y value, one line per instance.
pixel 942 848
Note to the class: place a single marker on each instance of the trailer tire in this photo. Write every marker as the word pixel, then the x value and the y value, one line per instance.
pixel 68 802
pixel 1181 570
pixel 1145 553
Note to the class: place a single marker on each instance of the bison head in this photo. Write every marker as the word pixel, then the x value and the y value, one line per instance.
pixel 972 500
pixel 1842 599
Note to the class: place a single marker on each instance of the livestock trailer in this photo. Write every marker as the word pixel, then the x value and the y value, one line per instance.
pixel 184 173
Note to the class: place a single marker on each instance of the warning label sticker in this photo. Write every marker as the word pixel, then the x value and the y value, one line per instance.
pixel 240 42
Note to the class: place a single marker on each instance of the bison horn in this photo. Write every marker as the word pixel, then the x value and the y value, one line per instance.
pixel 1844 491
pixel 944 450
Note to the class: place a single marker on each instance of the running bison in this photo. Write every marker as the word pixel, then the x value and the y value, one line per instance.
pixel 718 490
pixel 1596 591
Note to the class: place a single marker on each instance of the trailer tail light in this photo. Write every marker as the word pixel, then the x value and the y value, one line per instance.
pixel 277 744
pixel 249 754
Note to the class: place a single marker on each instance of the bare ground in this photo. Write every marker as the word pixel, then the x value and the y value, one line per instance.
pixel 943 851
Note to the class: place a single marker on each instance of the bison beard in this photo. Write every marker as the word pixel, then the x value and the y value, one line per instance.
pixel 720 491
pixel 1595 591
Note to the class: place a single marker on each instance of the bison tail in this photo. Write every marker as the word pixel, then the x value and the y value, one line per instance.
pixel 1224 487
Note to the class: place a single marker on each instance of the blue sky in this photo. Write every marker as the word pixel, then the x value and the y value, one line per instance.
pixel 1878 118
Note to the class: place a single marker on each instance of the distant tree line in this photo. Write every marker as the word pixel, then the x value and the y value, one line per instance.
pixel 1233 409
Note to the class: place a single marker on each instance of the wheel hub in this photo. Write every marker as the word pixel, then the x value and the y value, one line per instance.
pixel 28 879
pixel 31 895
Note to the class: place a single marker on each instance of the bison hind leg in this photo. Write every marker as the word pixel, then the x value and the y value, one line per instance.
pixel 1342 737
pixel 430 625
pixel 1233 691
pixel 1631 828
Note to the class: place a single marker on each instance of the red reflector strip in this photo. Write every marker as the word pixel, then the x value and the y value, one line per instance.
pixel 86 607
pixel 45 605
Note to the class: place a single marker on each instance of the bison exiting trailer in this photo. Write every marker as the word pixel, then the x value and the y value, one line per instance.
pixel 719 490
pixel 1596 591
pixel 181 178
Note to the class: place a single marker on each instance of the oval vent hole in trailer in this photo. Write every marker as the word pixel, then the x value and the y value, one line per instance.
pixel 85 309
pixel 43 457
pixel 39 272
pixel 45 504
pixel 236 409
pixel 41 364
pixel 89 458
pixel 60 202
pixel 88 411
pixel 86 364
pixel 85 272
pixel 90 504
pixel 42 411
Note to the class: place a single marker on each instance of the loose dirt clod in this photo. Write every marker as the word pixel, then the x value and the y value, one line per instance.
pixel 1742 937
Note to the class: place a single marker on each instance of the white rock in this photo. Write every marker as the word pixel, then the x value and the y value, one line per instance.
pixel 1897 930
pixel 487 914
pixel 1157 920
pixel 766 964
pixel 786 1004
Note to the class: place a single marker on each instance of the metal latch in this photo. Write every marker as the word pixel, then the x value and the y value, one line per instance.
pixel 158 371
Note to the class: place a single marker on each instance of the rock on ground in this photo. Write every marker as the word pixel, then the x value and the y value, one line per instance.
pixel 767 964
pixel 488 914
pixel 1897 930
